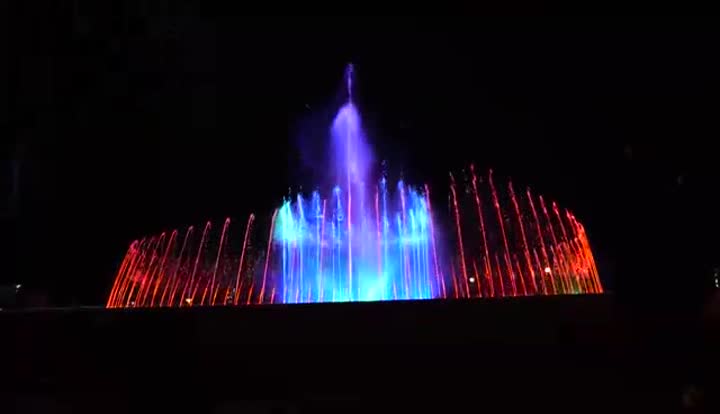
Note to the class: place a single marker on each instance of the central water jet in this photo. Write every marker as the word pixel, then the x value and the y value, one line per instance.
pixel 362 243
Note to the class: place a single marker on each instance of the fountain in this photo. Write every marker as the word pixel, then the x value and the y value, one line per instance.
pixel 366 240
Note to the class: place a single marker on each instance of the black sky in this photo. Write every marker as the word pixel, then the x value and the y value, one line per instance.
pixel 139 119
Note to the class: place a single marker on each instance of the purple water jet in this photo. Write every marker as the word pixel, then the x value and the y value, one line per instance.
pixel 363 242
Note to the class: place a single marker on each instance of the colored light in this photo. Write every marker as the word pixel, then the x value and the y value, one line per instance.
pixel 366 240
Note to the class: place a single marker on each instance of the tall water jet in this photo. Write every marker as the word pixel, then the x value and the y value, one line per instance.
pixel 374 250
pixel 352 160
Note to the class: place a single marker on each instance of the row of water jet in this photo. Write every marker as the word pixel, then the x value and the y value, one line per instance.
pixel 194 267
pixel 510 243
pixel 497 242
pixel 383 250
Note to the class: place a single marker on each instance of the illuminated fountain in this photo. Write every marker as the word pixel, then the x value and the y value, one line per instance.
pixel 366 241
pixel 363 242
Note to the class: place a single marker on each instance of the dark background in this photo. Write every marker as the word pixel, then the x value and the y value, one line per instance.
pixel 137 118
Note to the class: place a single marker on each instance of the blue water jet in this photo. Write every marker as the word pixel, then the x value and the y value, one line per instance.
pixel 363 243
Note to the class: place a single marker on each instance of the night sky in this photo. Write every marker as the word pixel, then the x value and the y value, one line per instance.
pixel 142 119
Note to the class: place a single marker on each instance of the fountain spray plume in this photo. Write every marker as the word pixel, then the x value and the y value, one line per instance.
pixel 363 241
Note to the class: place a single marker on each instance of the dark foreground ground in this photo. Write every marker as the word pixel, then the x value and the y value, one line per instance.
pixel 577 353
